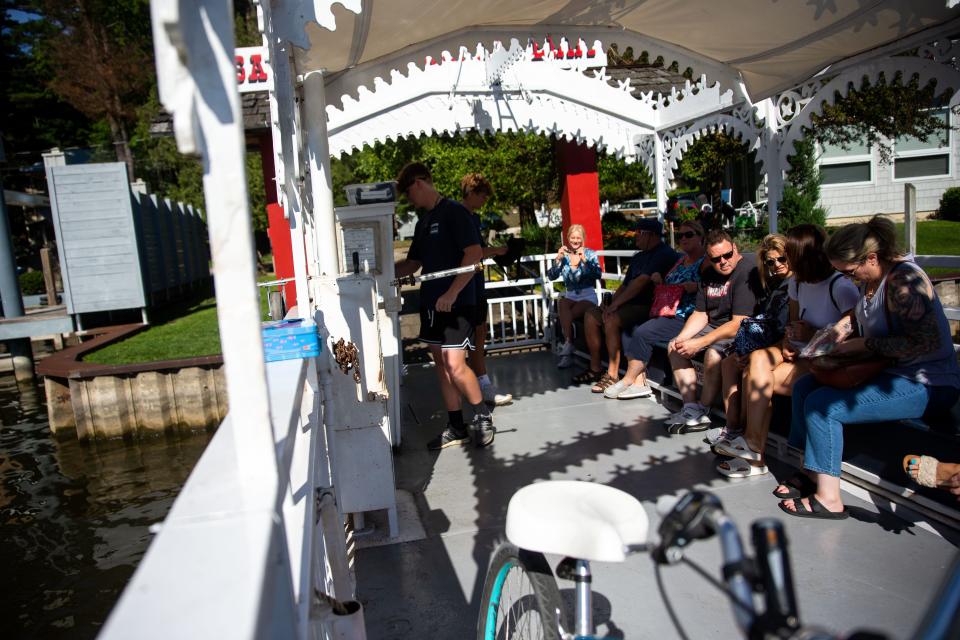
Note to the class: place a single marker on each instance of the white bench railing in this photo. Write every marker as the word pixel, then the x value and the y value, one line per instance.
pixel 528 318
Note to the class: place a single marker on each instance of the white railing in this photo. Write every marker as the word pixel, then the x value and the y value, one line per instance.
pixel 229 564
pixel 528 317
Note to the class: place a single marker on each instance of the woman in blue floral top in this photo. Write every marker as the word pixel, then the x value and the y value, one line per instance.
pixel 638 342
pixel 580 270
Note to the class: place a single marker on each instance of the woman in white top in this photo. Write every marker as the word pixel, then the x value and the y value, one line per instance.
pixel 819 296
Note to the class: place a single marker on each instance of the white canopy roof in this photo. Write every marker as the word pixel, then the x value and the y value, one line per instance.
pixel 771 44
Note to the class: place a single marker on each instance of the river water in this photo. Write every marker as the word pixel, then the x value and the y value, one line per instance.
pixel 75 518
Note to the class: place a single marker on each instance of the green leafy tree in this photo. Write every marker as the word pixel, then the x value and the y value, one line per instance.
pixel 520 166
pixel 801 193
pixel 621 181
pixel 32 117
pixel 876 114
pixel 101 61
pixel 704 163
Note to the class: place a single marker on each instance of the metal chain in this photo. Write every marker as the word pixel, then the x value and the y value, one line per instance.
pixel 347 357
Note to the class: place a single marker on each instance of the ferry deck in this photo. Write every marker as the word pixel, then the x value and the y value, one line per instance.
pixel 874 570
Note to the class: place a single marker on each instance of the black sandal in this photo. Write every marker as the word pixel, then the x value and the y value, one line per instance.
pixel 587 376
pixel 799 485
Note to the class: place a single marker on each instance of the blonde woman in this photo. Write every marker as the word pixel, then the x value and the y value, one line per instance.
pixel 580 270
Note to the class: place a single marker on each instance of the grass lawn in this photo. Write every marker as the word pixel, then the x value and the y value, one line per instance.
pixel 182 330
pixel 937 238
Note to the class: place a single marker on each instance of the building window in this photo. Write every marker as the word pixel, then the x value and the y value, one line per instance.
pixel 914 158
pixel 839 166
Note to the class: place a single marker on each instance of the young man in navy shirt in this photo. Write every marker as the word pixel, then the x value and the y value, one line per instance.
pixel 446 238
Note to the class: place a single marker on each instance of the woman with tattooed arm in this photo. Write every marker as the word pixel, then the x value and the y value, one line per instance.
pixel 898 316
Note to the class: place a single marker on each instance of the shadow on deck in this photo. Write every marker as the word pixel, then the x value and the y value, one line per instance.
pixel 874 570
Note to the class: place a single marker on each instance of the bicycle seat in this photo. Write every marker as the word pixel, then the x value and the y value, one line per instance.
pixel 577 519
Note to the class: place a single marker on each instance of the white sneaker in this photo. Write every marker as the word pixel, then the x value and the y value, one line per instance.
pixel 691 418
pixel 490 396
pixel 565 362
pixel 635 391
pixel 566 350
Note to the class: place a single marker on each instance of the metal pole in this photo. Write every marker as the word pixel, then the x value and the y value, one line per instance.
pixel 19 348
pixel 910 217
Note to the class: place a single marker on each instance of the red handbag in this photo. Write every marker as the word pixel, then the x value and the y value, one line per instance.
pixel 666 300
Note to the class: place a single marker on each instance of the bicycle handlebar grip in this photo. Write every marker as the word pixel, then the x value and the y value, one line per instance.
pixel 773 563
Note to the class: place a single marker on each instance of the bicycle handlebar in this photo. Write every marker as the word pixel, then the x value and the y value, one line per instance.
pixel 699 515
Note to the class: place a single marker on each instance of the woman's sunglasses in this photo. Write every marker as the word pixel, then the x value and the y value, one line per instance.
pixel 772 261
pixel 725 256
pixel 687 234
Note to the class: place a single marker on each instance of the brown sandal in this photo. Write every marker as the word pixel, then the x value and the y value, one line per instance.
pixel 602 384
pixel 587 376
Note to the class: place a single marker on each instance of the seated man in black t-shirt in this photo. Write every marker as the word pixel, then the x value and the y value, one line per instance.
pixel 446 238
pixel 629 306
pixel 727 295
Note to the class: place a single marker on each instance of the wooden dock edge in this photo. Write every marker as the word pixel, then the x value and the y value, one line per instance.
pixel 129 401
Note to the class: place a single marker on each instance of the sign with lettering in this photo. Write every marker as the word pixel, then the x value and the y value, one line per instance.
pixel 564 54
pixel 253 69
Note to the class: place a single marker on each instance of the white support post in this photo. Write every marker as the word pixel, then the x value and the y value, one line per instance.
pixel 910 218
pixel 321 183
pixel 771 147
pixel 286 148
pixel 198 86
pixel 660 171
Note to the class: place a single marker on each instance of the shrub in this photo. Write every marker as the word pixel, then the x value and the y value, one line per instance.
pixel 950 205
pixel 801 194
pixel 540 239
pixel 31 283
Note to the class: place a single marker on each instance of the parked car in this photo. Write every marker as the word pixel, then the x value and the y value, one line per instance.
pixel 643 207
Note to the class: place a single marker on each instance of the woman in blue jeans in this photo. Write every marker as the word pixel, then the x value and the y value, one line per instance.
pixel 898 316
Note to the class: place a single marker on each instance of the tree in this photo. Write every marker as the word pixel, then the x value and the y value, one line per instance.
pixel 32 117
pixel 620 181
pixel 704 165
pixel 877 114
pixel 101 61
pixel 801 194
pixel 520 166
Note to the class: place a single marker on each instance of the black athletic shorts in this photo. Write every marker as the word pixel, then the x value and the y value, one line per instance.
pixel 449 329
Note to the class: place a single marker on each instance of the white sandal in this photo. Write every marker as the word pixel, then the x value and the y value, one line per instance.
pixel 737 448
pixel 740 468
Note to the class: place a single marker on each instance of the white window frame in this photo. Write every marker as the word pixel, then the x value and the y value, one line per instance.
pixel 849 159
pixel 925 153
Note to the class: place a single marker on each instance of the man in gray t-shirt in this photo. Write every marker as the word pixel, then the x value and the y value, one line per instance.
pixel 727 295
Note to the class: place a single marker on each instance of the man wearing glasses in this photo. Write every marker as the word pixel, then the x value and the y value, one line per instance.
pixel 446 238
pixel 727 294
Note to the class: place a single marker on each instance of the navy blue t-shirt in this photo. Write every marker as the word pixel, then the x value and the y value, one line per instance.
pixel 660 260
pixel 438 243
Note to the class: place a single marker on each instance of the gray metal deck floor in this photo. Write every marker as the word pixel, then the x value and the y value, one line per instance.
pixel 873 570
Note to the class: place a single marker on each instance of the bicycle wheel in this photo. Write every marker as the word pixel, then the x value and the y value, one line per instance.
pixel 520 598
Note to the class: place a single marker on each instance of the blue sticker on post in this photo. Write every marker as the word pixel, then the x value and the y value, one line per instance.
pixel 289 340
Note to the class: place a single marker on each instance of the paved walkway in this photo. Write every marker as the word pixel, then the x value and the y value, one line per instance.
pixel 872 570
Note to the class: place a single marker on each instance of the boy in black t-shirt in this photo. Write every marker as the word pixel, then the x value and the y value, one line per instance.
pixel 446 238
pixel 726 296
